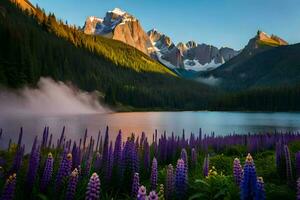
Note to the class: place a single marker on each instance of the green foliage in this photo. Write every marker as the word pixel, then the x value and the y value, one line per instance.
pixel 222 163
pixel 215 187
pixel 266 166
pixel 294 147
pixel 236 150
pixel 279 192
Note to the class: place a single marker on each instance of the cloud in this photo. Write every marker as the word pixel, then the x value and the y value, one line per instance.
pixel 211 80
pixel 49 98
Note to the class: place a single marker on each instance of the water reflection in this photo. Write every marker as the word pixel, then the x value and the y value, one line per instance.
pixel 219 122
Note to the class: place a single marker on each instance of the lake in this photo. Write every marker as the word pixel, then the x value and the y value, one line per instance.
pixel 221 123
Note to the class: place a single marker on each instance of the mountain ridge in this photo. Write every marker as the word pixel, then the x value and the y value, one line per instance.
pixel 265 61
pixel 120 25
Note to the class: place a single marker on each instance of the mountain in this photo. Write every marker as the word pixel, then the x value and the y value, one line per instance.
pixel 261 42
pixel 265 61
pixel 39 45
pixel 122 26
pixel 189 56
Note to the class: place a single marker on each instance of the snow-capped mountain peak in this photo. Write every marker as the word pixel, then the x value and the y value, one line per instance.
pixel 120 25
pixel 190 55
pixel 93 18
pixel 118 11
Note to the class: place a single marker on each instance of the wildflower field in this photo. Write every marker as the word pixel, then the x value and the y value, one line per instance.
pixel 165 166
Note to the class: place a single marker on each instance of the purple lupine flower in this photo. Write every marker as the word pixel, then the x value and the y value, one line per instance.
pixel 298 164
pixel 19 154
pixel 153 196
pixel 288 163
pixel 154 174
pixel 193 157
pixel 206 165
pixel 237 171
pixel 170 182
pixel 105 151
pixel 117 158
pixel 93 188
pixel 184 157
pixel 180 179
pixel 72 185
pixel 9 188
pixel 135 185
pixel 33 167
pixel 109 163
pixel 129 162
pixel 260 193
pixel 47 174
pixel 97 162
pixel 298 189
pixel 280 159
pixel 249 181
pixel 146 156
pixel 64 170
pixel 142 193
pixel 18 159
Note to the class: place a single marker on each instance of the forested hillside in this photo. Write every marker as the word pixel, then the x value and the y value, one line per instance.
pixel 34 46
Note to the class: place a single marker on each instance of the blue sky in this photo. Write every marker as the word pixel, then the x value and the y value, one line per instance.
pixel 218 22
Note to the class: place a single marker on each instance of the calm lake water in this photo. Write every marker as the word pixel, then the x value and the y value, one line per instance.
pixel 221 123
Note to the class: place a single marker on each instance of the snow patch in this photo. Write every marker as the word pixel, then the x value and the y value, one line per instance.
pixel 196 66
pixel 118 11
pixel 164 62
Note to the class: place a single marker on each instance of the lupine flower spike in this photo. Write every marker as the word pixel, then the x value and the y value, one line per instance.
pixel 260 193
pixel 72 185
pixel 154 174
pixel 180 179
pixel 135 185
pixel 206 166
pixel 170 182
pixel 9 188
pixel 249 181
pixel 47 174
pixel 93 188
pixel 237 171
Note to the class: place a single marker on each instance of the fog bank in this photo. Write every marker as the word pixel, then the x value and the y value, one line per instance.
pixel 49 98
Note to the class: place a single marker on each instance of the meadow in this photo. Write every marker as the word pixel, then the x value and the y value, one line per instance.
pixel 167 166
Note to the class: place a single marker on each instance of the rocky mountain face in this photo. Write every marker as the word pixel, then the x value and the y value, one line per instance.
pixel 122 26
pixel 189 56
pixel 261 42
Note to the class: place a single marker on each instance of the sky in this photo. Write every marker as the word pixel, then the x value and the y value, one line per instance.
pixel 220 23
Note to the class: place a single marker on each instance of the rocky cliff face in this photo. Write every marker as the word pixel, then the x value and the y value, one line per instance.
pixel 121 26
pixel 261 42
pixel 190 56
